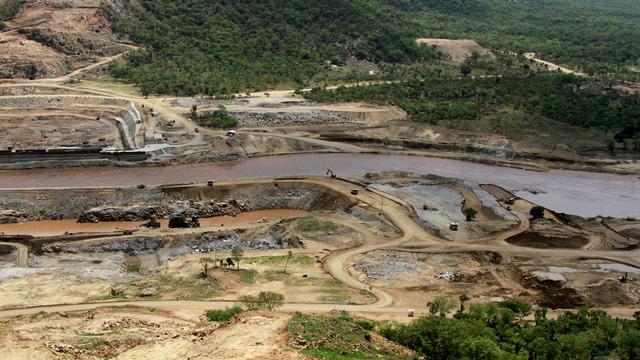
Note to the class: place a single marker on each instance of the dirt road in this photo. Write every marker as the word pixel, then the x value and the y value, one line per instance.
pixel 551 66
pixel 22 253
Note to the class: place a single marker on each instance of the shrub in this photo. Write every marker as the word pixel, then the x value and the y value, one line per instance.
pixel 264 300
pixel 537 212
pixel 470 213
pixel 224 315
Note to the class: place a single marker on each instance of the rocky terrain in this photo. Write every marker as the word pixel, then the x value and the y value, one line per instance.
pixel 280 119
pixel 53 38
pixel 133 204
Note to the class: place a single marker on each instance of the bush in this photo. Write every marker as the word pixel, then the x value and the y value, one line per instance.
pixel 537 212
pixel 217 119
pixel 266 300
pixel 224 315
pixel 365 324
pixel 470 213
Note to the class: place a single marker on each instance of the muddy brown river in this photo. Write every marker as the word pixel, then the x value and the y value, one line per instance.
pixel 573 192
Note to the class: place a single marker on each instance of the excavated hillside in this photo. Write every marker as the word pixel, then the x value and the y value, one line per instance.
pixel 51 38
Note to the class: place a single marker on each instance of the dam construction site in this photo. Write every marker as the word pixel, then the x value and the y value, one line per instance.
pixel 125 221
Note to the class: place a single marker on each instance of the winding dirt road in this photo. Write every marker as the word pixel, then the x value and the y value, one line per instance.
pixel 414 238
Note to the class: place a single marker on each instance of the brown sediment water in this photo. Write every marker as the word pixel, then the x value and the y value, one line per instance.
pixel 71 226
pixel 572 192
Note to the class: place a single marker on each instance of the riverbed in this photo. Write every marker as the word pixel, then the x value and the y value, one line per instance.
pixel 71 226
pixel 573 192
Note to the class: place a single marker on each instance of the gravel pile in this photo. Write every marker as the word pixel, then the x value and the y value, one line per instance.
pixel 187 208
pixel 489 201
pixel 392 267
pixel 270 119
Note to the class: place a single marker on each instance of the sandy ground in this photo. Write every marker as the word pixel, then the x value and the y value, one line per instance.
pixel 132 333
pixel 456 50
pixel 57 131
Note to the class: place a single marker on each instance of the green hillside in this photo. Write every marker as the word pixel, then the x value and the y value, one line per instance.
pixel 211 47
pixel 598 36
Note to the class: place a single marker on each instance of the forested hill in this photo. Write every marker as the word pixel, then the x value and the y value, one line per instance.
pixel 597 36
pixel 225 46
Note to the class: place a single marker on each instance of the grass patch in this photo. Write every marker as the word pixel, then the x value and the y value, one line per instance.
pixel 102 297
pixel 248 276
pixel 133 268
pixel 87 334
pixel 110 84
pixel 332 282
pixel 273 275
pixel 334 295
pixel 167 286
pixel 334 298
pixel 93 344
pixel 281 260
pixel 223 316
pixel 311 224
pixel 338 337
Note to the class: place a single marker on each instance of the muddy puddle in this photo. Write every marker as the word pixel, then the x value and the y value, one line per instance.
pixel 71 226
pixel 557 273
pixel 622 268
pixel 543 241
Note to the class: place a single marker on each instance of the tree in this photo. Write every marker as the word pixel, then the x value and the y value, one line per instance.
pixel 205 265
pixel 264 300
pixel 463 299
pixel 194 112
pixel 441 305
pixel 289 255
pixel 537 212
pixel 470 213
pixel 611 146
pixel 31 71
pixel 270 300
pixel 237 253
pixel 465 69
pixel 475 56
pixel 480 348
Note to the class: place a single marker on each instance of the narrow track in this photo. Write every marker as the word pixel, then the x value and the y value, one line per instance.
pixel 22 253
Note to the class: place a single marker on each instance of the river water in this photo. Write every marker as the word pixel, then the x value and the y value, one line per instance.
pixel 573 192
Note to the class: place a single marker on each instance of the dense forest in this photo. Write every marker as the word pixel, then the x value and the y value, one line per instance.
pixel 219 46
pixel 211 47
pixel 460 102
pixel 495 331
pixel 598 36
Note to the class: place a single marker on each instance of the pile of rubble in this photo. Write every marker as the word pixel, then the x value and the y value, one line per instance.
pixel 271 119
pixel 179 208
pixel 391 268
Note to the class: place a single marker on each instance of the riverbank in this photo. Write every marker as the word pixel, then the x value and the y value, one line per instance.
pixel 585 194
